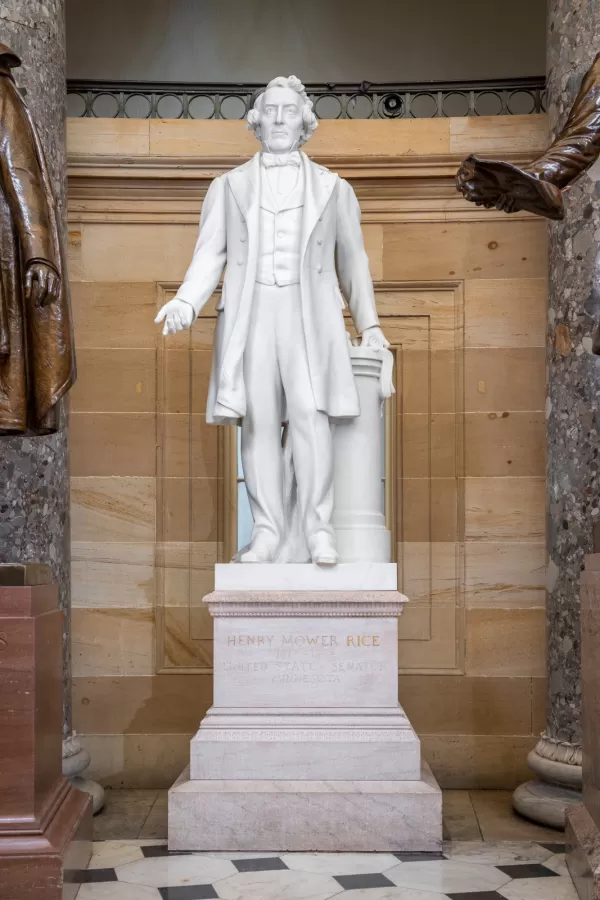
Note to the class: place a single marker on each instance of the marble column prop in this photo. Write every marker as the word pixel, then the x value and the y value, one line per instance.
pixel 358 514
pixel 572 407
pixel 45 823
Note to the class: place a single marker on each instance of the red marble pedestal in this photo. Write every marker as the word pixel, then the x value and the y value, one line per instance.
pixel 45 823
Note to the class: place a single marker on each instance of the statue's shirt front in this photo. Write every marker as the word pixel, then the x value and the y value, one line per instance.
pixel 280 224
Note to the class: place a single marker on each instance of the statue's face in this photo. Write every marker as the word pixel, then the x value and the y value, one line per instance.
pixel 281 120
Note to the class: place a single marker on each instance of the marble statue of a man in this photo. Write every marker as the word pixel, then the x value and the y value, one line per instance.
pixel 281 223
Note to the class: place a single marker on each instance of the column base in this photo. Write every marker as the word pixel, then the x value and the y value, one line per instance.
pixel 47 861
pixel 326 816
pixel 583 852
pixel 544 803
pixel 75 760
pixel 558 765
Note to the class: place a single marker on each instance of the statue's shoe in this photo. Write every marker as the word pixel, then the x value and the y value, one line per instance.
pixel 260 550
pixel 322 549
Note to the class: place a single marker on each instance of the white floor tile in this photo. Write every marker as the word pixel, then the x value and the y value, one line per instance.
pixel 339 863
pixel 539 889
pixel 238 855
pixel 447 876
pixel 558 864
pixel 278 885
pixel 112 890
pixel 108 854
pixel 395 893
pixel 496 853
pixel 169 871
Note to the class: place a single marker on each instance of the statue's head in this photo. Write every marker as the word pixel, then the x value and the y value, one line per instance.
pixel 8 58
pixel 282 117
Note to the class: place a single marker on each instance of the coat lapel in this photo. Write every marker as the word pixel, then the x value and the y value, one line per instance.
pixel 319 185
pixel 230 402
pixel 245 185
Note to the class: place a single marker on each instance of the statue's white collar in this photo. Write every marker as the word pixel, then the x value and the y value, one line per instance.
pixel 270 160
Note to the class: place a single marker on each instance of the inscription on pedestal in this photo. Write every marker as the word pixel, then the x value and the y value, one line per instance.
pixel 305 662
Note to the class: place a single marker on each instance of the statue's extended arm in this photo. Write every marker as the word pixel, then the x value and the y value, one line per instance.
pixel 577 146
pixel 353 268
pixel 537 187
pixel 206 267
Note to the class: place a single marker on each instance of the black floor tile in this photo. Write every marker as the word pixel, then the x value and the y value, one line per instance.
pixel 419 855
pixel 155 850
pixel 527 870
pixel 74 876
pixel 554 848
pixel 91 875
pixel 189 892
pixel 477 895
pixel 163 850
pixel 266 864
pixel 356 882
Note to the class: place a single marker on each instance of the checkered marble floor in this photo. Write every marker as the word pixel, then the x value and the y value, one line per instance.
pixel 465 870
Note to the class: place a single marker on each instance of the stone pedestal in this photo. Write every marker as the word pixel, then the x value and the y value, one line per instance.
pixel 583 819
pixel 306 746
pixel 45 823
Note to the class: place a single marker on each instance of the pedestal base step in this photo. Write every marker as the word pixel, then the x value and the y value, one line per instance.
pixel 314 745
pixel 336 816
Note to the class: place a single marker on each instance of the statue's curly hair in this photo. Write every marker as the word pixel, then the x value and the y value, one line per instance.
pixel 309 119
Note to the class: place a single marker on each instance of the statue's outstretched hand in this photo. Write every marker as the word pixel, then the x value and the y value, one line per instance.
pixel 374 337
pixel 476 186
pixel 177 315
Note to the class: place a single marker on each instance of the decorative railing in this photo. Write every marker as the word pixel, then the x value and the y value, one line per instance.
pixel 168 100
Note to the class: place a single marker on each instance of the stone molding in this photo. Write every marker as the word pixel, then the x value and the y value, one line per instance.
pixel 559 751
pixel 305 603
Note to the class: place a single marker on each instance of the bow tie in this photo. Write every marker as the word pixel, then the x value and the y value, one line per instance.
pixel 280 159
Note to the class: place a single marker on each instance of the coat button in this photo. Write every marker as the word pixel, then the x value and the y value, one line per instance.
pixel 280 234
pixel 319 242
pixel 240 262
pixel 243 238
pixel 319 269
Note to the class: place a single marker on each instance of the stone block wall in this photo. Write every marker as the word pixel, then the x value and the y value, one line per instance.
pixel 462 295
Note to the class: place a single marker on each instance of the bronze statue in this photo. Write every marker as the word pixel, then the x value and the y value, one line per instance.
pixel 37 361
pixel 537 188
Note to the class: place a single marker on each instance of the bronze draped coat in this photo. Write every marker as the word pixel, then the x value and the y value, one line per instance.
pixel 577 146
pixel 37 360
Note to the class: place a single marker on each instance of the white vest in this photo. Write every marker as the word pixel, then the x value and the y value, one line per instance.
pixel 280 227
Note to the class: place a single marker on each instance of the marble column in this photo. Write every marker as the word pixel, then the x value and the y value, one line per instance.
pixel 34 471
pixel 34 474
pixel 573 425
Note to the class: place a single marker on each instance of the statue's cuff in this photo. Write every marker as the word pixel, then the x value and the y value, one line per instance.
pixel 39 260
pixel 187 302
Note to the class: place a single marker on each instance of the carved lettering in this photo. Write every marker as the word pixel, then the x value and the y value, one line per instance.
pixel 362 640
pixel 250 640
pixel 300 640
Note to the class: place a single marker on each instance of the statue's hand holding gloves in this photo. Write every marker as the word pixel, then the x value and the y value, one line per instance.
pixel 375 338
pixel 42 284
